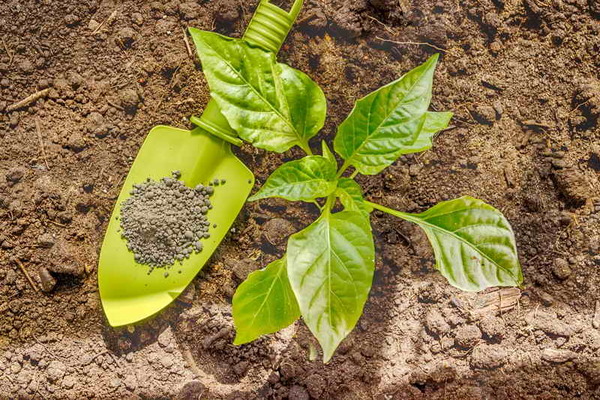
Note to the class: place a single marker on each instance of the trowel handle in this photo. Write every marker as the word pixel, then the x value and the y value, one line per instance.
pixel 268 29
pixel 270 25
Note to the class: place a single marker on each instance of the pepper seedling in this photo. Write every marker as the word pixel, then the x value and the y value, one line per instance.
pixel 326 274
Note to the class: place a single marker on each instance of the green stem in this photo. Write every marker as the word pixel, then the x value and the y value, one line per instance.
pixel 353 175
pixel 304 146
pixel 344 167
pixel 329 203
pixel 395 213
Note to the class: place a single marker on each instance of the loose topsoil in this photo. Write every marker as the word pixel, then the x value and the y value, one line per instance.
pixel 521 77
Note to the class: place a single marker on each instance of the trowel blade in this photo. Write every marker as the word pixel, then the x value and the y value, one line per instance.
pixel 129 293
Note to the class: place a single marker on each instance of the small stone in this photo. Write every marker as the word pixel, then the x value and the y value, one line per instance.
pixel 47 281
pixel 561 269
pixel 93 25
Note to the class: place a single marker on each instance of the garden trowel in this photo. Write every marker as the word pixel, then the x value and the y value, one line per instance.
pixel 129 292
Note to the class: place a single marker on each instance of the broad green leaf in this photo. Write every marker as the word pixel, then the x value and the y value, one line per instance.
pixel 271 105
pixel 350 194
pixel 305 179
pixel 327 153
pixel 432 124
pixel 473 243
pixel 330 268
pixel 264 303
pixel 390 121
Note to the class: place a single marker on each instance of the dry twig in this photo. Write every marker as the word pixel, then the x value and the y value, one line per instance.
pixel 39 134
pixel 187 43
pixel 108 20
pixel 414 43
pixel 28 100
pixel 8 53
pixel 20 264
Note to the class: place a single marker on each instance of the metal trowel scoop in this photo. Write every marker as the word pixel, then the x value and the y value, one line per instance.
pixel 128 292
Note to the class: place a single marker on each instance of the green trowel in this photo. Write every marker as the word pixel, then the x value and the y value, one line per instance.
pixel 128 291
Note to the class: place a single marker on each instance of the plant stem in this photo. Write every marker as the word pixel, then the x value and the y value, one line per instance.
pixel 343 168
pixel 329 203
pixel 304 146
pixel 395 213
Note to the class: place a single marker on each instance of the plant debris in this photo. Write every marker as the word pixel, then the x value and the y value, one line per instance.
pixel 164 221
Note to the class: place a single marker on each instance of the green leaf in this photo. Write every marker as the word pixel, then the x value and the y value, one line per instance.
pixel 390 121
pixel 271 105
pixel 473 243
pixel 264 303
pixel 350 194
pixel 327 153
pixel 330 268
pixel 305 179
pixel 432 124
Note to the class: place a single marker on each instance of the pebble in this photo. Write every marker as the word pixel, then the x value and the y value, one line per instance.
pixel 47 281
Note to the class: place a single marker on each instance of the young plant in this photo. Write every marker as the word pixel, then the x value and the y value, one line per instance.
pixel 326 274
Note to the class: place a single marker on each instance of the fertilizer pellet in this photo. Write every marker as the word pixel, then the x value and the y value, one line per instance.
pixel 164 221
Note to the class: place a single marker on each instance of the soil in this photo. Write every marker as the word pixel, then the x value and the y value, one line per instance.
pixel 521 77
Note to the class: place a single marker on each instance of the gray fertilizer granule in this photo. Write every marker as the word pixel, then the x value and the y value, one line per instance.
pixel 163 222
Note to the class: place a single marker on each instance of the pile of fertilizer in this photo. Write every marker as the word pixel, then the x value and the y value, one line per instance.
pixel 163 222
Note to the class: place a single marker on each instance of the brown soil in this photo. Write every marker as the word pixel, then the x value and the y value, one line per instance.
pixel 522 79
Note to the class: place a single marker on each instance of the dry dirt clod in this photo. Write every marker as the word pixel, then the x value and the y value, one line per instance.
pixel 558 355
pixel 488 357
pixel 467 336
pixel 561 269
pixel 277 230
